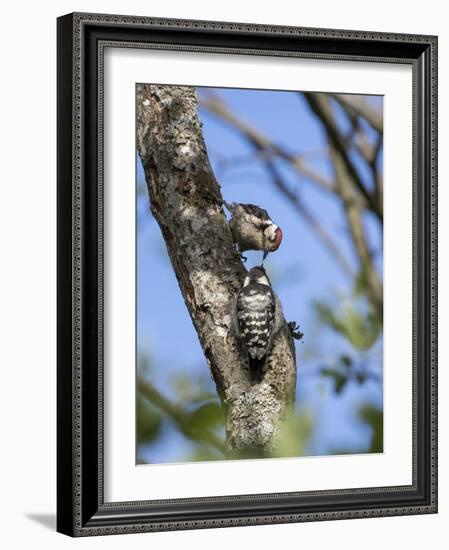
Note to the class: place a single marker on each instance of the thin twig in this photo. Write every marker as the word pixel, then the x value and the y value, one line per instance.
pixel 345 184
pixel 309 218
pixel 320 105
pixel 266 150
pixel 261 142
pixel 360 107
pixel 368 152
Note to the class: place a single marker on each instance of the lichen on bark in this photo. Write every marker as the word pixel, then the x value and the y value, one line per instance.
pixel 186 201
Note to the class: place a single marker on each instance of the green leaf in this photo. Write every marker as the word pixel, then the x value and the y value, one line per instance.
pixel 362 330
pixel 191 389
pixel 361 282
pixel 374 417
pixel 294 434
pixel 148 421
pixel 206 417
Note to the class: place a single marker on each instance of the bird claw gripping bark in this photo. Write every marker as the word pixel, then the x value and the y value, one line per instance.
pixel 294 330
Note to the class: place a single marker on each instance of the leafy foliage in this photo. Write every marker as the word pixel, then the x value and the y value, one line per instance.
pixel 149 420
pixel 295 434
pixel 195 413
pixel 360 329
pixel 208 416
pixel 340 378
pixel 375 419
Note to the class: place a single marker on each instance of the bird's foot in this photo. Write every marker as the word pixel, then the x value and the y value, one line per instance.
pixel 243 258
pixel 294 330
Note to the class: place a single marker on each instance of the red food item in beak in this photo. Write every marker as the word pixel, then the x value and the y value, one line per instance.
pixel 278 239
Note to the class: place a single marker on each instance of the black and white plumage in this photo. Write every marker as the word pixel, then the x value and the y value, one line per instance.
pixel 253 229
pixel 258 316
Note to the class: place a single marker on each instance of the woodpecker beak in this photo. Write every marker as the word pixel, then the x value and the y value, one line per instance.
pixel 278 238
pixel 265 254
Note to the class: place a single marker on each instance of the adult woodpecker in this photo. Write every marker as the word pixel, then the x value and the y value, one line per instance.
pixel 257 318
pixel 253 229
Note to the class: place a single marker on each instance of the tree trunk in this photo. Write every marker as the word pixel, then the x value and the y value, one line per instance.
pixel 186 201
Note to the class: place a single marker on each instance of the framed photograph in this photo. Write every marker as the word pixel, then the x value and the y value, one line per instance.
pixel 247 274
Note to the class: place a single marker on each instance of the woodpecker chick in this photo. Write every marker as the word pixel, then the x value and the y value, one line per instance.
pixel 253 229
pixel 258 318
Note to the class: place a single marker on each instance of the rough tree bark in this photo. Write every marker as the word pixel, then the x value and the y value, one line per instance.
pixel 186 201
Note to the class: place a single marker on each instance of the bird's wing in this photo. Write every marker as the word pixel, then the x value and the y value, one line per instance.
pixel 254 210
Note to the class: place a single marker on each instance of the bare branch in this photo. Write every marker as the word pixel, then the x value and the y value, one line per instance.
pixel 359 106
pixel 310 219
pixel 320 105
pixel 266 151
pixel 263 143
pixel 376 173
pixel 355 224
pixel 359 139
pixel 345 185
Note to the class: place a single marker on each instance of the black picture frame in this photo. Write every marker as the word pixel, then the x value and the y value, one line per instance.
pixel 81 509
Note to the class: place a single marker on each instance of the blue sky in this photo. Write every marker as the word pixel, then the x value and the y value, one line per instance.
pixel 302 271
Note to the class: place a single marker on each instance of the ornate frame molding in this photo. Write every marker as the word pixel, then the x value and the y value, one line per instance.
pixel 81 42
